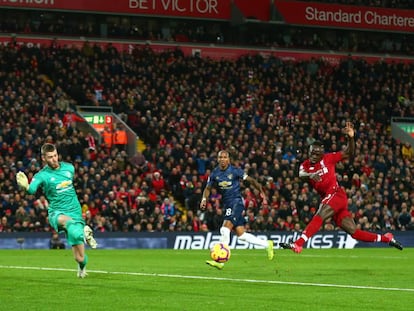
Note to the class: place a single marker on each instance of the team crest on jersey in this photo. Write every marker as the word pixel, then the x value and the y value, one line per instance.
pixel 230 176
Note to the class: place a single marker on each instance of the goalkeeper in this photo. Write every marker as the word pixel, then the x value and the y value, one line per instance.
pixel 56 180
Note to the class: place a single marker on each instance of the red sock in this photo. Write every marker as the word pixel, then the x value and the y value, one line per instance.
pixel 310 230
pixel 366 236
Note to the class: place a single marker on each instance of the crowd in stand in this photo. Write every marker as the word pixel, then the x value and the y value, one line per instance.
pixel 186 109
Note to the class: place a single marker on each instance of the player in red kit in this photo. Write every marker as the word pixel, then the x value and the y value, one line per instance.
pixel 319 170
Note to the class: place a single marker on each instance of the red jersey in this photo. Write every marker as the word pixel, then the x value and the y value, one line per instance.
pixel 325 168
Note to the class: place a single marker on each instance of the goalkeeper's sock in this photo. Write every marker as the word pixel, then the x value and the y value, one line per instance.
pixel 84 262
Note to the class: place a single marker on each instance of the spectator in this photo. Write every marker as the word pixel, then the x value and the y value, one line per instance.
pixel 407 152
pixel 404 217
pixel 168 210
pixel 158 183
pixel 107 137
pixel 120 138
pixel 55 241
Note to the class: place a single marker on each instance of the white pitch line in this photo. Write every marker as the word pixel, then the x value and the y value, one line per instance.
pixel 178 276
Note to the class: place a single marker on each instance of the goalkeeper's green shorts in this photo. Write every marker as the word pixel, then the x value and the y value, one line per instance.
pixel 54 216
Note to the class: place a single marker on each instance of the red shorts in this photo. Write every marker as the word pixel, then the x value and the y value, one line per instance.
pixel 338 201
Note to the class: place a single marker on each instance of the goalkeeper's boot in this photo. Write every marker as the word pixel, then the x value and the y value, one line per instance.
pixel 270 250
pixel 89 239
pixel 215 264
pixel 82 272
pixel 293 246
pixel 393 242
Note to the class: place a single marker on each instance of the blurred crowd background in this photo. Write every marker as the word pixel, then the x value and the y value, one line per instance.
pixel 186 109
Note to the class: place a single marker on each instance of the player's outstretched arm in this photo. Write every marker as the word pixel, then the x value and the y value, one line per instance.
pixel 349 151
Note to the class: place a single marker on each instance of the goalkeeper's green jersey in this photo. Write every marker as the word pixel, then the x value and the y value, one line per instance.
pixel 57 185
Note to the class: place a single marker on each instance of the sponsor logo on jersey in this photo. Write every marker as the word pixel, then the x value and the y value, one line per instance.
pixel 64 184
pixel 225 184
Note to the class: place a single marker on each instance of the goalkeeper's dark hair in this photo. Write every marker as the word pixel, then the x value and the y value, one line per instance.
pixel 47 148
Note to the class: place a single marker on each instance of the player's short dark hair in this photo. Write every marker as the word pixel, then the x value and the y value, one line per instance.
pixel 47 148
pixel 223 151
pixel 317 143
pixel 231 152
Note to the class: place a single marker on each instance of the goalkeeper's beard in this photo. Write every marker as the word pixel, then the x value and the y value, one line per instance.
pixel 53 165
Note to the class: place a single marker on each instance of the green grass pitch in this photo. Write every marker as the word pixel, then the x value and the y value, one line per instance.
pixel 334 279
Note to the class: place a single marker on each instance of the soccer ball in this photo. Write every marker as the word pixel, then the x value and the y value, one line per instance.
pixel 220 252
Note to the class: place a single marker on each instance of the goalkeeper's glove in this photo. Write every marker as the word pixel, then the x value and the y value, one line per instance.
pixel 22 180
